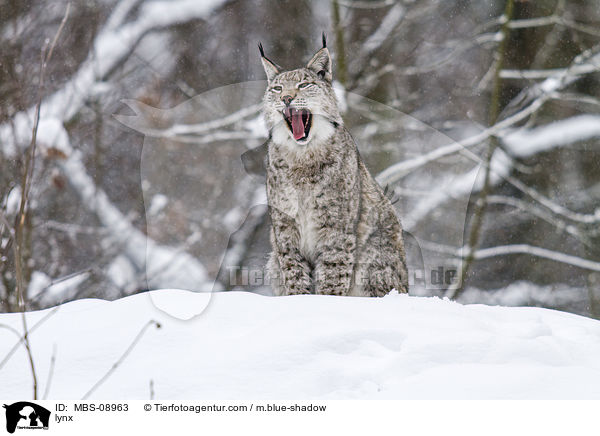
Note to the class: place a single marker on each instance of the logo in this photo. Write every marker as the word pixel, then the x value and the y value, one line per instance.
pixel 26 415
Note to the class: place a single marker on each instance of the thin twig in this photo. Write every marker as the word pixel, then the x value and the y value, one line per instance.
pixel 366 4
pixel 12 329
pixel 50 372
pixel 6 224
pixel 122 358
pixel 504 250
pixel 537 211
pixel 554 19
pixel 21 337
pixel 53 282
pixel 568 259
pixel 548 72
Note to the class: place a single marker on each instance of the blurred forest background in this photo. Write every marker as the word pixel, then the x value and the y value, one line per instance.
pixel 131 142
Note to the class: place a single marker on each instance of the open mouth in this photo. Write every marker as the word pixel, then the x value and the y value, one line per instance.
pixel 299 122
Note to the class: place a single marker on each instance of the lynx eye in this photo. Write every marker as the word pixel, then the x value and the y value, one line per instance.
pixel 304 85
pixel 276 89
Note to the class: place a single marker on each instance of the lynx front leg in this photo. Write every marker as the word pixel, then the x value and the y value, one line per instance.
pixel 338 216
pixel 288 269
pixel 380 271
pixel 334 266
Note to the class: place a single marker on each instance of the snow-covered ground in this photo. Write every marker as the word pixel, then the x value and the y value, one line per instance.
pixel 305 347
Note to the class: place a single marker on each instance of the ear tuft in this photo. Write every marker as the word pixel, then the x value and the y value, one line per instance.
pixel 270 67
pixel 324 36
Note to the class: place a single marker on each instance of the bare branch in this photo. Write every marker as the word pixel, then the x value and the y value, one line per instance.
pixel 50 372
pixel 6 225
pixel 188 129
pixel 551 20
pixel 540 213
pixel 533 22
pixel 122 358
pixel 544 74
pixel 357 4
pixel 504 250
pixel 21 338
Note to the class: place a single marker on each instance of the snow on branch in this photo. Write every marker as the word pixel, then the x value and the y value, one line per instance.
pixel 521 143
pixel 112 46
pixel 501 166
pixel 504 250
pixel 461 186
pixel 200 133
pixel 554 207
pixel 551 20
pixel 366 4
pixel 530 100
pixel 543 74
pixel 527 142
pixel 558 81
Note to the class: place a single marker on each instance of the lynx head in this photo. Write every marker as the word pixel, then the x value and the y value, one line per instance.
pixel 300 107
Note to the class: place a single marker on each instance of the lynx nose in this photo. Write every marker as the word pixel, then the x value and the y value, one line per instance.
pixel 287 99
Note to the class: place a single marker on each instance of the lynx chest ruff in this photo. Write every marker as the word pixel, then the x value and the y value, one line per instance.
pixel 306 220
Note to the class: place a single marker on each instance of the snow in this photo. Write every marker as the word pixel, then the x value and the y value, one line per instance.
pixel 257 127
pixel 44 291
pixel 53 135
pixel 527 142
pixel 13 201
pixel 38 283
pixel 459 186
pixel 233 218
pixel 121 272
pixel 244 345
pixel 157 204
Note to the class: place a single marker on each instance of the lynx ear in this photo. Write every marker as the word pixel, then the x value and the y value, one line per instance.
pixel 321 64
pixel 270 68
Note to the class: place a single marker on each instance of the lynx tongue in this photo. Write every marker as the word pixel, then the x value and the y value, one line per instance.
pixel 297 124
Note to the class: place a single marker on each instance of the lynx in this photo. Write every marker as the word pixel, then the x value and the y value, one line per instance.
pixel 334 231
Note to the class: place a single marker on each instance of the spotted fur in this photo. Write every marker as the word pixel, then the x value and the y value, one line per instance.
pixel 334 231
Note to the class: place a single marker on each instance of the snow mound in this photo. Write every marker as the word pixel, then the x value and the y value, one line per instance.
pixel 306 347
